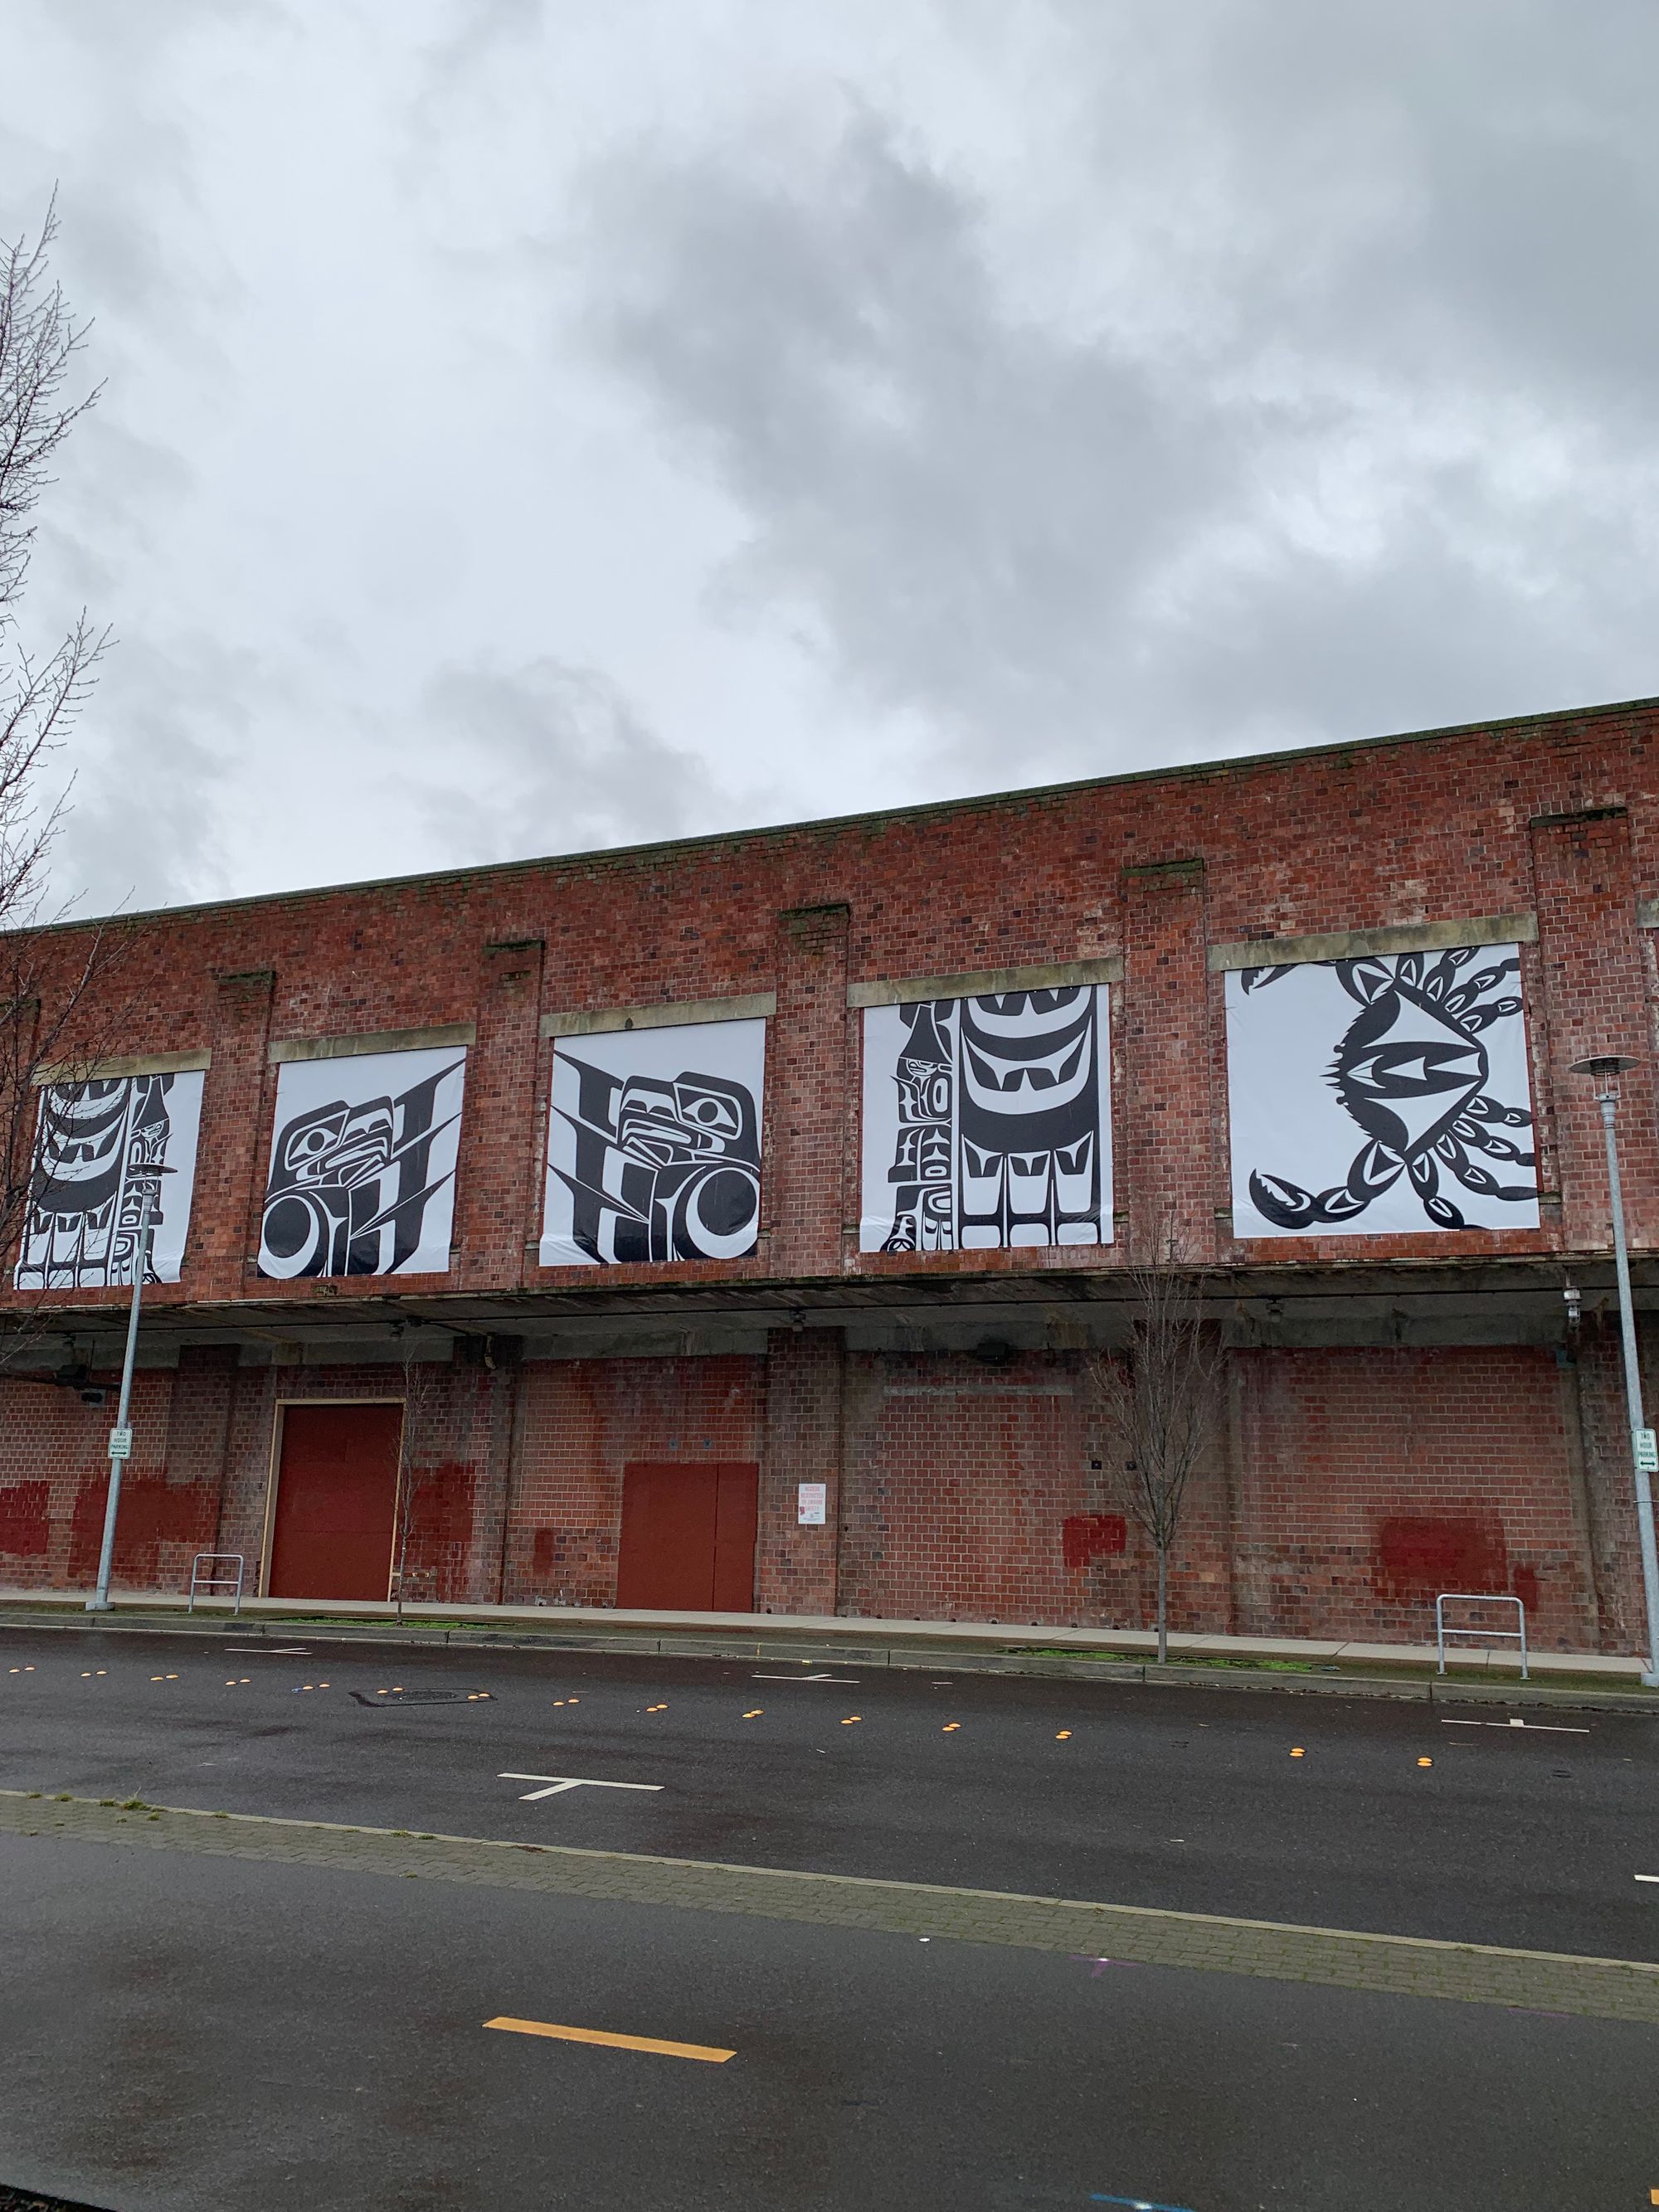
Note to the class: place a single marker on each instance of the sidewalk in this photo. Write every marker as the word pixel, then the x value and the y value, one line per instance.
pixel 1003 1646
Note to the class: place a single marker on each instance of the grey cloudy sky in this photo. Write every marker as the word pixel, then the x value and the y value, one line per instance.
pixel 534 424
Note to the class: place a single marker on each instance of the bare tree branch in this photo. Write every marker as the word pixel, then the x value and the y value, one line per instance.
pixel 1161 1401
pixel 51 1016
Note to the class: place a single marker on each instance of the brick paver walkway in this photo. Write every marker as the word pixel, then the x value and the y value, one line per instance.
pixel 1472 1973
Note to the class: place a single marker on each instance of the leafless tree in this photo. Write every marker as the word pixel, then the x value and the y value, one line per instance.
pixel 413 1481
pixel 1161 1401
pixel 46 977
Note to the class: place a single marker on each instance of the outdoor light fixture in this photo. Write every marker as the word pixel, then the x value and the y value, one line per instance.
pixel 1606 1068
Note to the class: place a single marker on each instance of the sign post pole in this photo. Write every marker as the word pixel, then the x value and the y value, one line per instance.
pixel 120 1437
pixel 1606 1067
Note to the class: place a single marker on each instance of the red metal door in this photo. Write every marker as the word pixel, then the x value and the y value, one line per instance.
pixel 337 1501
pixel 687 1537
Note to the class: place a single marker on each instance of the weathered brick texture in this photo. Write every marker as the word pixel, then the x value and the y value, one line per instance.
pixel 1402 1408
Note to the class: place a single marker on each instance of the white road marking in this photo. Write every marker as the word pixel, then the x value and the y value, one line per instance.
pixel 806 1678
pixel 1648 1877
pixel 557 1782
pixel 1539 1727
pixel 270 1651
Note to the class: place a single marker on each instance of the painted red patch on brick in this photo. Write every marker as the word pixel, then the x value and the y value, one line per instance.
pixel 25 1531
pixel 1085 1536
pixel 1420 1555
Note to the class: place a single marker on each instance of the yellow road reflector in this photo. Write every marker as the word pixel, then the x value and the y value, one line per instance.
pixel 756 1715
pixel 1425 1762
pixel 1297 1751
pixel 850 1718
pixel 558 1701
pixel 574 1701
pixel 710 2053
pixel 172 1678
pixel 1062 1735
pixel 950 1728
pixel 154 1678
pixel 656 1709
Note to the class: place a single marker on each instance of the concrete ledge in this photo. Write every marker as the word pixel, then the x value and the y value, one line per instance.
pixel 287 1049
pixel 986 983
pixel 603 1021
pixel 1353 944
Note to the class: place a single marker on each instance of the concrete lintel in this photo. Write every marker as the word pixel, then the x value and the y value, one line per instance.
pixel 137 1063
pixel 601 1021
pixel 1354 944
pixel 353 1048
pixel 1052 975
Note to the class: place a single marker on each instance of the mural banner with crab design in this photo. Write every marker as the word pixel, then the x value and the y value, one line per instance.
pixel 1381 1095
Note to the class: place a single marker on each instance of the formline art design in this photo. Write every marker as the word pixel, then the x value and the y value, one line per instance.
pixel 1430 1074
pixel 654 1149
pixel 363 1173
pixel 988 1122
pixel 100 1147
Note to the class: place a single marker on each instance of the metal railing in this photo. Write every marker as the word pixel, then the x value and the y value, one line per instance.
pixel 1482 1635
pixel 199 1582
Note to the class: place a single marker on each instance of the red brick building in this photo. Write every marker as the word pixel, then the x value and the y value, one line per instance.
pixel 433 1153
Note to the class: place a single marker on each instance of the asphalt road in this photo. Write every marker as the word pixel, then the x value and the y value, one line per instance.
pixel 1188 1800
pixel 190 2034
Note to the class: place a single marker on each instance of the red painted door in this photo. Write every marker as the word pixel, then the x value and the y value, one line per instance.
pixel 687 1537
pixel 337 1501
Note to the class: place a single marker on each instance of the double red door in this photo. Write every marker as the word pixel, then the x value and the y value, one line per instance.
pixel 336 1502
pixel 687 1537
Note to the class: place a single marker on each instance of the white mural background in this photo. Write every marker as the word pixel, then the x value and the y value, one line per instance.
pixel 98 1146
pixel 362 1165
pixel 1383 1096
pixel 988 1122
pixel 653 1149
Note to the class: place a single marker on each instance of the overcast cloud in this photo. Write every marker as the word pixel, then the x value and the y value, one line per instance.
pixel 532 425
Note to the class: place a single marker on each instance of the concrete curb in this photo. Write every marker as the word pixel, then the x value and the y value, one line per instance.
pixel 1426 1688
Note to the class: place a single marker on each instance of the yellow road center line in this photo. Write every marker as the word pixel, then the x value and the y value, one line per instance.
pixel 708 2052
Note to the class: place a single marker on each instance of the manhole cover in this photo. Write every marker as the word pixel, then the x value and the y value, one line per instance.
pixel 383 1699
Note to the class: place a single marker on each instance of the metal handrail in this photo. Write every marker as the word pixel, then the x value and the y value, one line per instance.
pixel 1484 1634
pixel 199 1581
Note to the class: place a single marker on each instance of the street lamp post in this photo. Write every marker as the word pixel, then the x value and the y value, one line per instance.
pixel 1606 1068
pixel 120 1437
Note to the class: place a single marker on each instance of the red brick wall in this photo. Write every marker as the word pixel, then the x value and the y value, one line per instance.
pixel 580 1422
pixel 1437 828
pixel 1369 1480
pixel 1351 1485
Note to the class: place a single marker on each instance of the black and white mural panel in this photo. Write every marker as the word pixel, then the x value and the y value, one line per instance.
pixel 100 1147
pixel 362 1165
pixel 653 1147
pixel 988 1122
pixel 1382 1095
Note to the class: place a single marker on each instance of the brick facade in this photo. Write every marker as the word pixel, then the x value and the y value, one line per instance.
pixel 1404 1411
